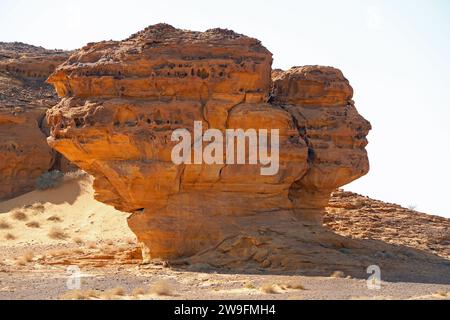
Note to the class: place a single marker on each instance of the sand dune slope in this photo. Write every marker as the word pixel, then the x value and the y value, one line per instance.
pixel 61 214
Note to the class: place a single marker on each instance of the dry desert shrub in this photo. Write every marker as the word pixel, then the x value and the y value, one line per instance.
pixel 57 234
pixel 138 292
pixel 10 236
pixel 249 285
pixel 73 295
pixel 161 288
pixel 269 288
pixel 80 295
pixel 28 256
pixel 337 274
pixel 49 180
pixel 78 240
pixel 54 218
pixel 294 285
pixel 4 225
pixel 441 293
pixel 118 291
pixel 93 293
pixel 33 224
pixel 19 215
pixel 38 207
pixel 21 261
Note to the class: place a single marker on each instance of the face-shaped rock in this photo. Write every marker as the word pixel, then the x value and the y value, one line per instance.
pixel 122 101
pixel 319 99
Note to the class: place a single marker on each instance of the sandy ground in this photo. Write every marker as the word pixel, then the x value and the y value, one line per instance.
pixel 48 235
pixel 134 281
pixel 70 208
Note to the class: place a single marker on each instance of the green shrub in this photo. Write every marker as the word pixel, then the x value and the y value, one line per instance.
pixel 49 180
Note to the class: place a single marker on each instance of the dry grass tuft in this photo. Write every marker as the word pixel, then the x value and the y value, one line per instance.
pixel 269 288
pixel 337 274
pixel 138 292
pixel 92 293
pixel 54 218
pixel 249 285
pixel 10 236
pixel 4 225
pixel 21 261
pixel 119 291
pixel 161 288
pixel 57 234
pixel 33 224
pixel 81 295
pixel 38 207
pixel 28 256
pixel 78 240
pixel 294 285
pixel 73 295
pixel 441 293
pixel 19 215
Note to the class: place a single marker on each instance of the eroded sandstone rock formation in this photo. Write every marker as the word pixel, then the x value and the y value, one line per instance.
pixel 121 101
pixel 320 101
pixel 24 99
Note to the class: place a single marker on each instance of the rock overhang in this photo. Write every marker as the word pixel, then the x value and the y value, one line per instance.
pixel 121 100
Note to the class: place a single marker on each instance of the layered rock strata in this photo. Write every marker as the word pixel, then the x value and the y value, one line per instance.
pixel 24 100
pixel 122 100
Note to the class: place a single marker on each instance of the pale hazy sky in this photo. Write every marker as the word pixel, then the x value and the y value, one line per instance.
pixel 396 55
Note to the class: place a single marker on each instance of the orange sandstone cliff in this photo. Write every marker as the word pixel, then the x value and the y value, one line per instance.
pixel 121 101
pixel 24 99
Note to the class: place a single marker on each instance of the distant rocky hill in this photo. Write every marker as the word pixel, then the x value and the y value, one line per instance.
pixel 20 59
pixel 24 99
pixel 352 215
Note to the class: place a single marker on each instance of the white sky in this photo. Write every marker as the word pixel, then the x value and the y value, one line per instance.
pixel 395 54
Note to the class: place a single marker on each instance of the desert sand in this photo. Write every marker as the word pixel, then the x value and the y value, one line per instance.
pixel 96 238
pixel 70 208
